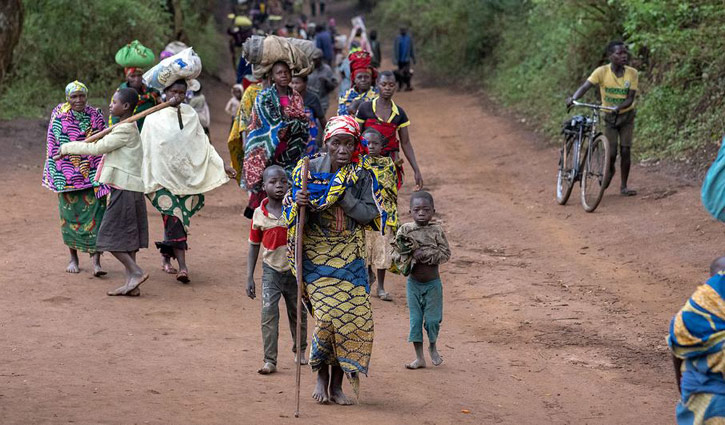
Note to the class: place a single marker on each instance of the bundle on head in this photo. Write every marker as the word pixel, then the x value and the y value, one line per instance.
pixel 264 52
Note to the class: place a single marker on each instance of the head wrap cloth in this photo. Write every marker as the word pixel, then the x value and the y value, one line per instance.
pixel 361 62
pixel 346 124
pixel 74 87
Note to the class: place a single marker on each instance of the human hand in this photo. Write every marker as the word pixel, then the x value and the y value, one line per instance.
pixel 251 289
pixel 231 172
pixel 418 255
pixel 569 101
pixel 418 180
pixel 302 198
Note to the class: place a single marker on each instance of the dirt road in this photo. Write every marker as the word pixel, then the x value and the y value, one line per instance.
pixel 551 315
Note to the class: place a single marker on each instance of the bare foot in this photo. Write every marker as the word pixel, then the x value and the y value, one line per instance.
pixel 303 361
pixel 435 358
pixel 73 266
pixel 97 269
pixel 337 396
pixel 416 364
pixel 133 283
pixel 136 292
pixel 320 394
pixel 267 369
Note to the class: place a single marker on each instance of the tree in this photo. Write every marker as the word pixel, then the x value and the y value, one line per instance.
pixel 11 23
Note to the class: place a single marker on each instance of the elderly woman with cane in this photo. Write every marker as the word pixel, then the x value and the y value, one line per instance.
pixel 342 199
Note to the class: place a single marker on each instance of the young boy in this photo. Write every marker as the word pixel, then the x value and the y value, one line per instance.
pixel 420 247
pixel 270 230
pixel 124 229
pixel 617 87
pixel 379 246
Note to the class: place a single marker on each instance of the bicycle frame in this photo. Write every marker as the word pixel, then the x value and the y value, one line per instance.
pixel 591 123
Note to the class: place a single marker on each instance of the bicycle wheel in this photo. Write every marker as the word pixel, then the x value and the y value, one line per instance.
pixel 595 172
pixel 565 176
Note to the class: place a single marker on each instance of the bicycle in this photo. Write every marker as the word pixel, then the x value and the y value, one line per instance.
pixel 584 157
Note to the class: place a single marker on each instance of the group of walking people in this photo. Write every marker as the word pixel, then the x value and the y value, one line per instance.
pixel 351 237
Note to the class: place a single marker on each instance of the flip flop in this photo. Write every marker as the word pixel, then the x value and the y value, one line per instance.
pixel 123 290
pixel 183 277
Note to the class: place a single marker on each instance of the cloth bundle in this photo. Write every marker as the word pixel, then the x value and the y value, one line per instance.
pixel 184 65
pixel 264 52
pixel 135 55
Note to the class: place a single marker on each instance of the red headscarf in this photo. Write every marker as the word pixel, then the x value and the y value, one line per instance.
pixel 130 70
pixel 361 62
pixel 346 124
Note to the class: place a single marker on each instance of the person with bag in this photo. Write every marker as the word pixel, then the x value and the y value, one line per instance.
pixel 135 58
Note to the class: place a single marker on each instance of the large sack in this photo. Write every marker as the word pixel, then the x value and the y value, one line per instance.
pixel 263 52
pixel 713 188
pixel 183 65
pixel 135 55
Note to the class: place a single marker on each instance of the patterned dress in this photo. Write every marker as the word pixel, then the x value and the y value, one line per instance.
pixel 81 200
pixel 334 270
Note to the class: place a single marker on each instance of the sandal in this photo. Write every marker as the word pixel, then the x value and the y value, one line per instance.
pixel 384 296
pixel 183 277
pixel 168 268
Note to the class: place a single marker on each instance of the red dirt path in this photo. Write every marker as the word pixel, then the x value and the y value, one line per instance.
pixel 552 315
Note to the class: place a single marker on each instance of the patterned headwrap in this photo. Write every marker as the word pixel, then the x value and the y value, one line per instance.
pixel 361 62
pixel 346 124
pixel 130 70
pixel 75 86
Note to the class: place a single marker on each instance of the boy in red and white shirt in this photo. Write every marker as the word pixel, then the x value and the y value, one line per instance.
pixel 270 232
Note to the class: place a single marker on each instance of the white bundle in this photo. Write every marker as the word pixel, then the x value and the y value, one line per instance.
pixel 185 65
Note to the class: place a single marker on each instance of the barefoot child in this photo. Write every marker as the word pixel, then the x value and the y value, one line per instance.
pixel 378 247
pixel 269 229
pixel 420 247
pixel 124 229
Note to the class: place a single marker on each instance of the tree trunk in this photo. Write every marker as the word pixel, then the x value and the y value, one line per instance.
pixel 11 23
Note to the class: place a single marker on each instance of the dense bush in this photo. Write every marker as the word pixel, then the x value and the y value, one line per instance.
pixel 64 40
pixel 531 54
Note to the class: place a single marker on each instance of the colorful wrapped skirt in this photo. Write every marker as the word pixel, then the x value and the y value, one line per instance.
pixel 337 285
pixel 177 212
pixel 81 214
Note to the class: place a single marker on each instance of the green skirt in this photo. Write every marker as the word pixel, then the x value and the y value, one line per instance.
pixel 80 217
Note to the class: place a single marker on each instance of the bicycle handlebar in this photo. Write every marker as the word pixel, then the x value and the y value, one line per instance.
pixel 590 105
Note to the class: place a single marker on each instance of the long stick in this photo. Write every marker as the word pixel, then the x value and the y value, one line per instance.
pixel 301 216
pixel 101 134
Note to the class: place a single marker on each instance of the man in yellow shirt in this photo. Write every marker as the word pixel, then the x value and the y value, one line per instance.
pixel 617 87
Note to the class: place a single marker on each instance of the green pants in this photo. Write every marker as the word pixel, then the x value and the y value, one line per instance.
pixel 276 285
pixel 425 302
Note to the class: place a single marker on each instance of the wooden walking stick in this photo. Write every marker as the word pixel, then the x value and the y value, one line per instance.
pixel 101 134
pixel 301 216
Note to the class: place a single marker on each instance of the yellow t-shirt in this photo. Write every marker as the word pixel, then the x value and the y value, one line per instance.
pixel 614 90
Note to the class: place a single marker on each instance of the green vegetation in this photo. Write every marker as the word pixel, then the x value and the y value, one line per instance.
pixel 531 54
pixel 65 40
